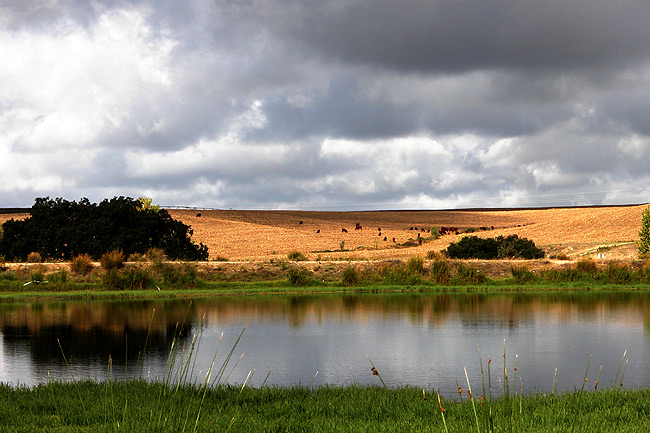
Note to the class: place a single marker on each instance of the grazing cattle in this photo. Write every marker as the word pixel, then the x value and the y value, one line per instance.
pixel 411 228
pixel 358 227
pixel 318 231
pixel 385 238
pixel 379 234
pixel 198 214
pixel 379 228
pixel 422 230
pixel 300 223
pixel 344 230
pixel 394 240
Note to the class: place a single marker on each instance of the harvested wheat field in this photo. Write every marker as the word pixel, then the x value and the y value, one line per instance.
pixel 238 235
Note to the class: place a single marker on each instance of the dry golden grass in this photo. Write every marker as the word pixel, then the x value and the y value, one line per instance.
pixel 261 235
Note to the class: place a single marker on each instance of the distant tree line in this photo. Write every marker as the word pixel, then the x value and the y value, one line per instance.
pixel 510 247
pixel 61 229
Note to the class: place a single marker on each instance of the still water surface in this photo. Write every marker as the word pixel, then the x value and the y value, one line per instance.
pixel 423 340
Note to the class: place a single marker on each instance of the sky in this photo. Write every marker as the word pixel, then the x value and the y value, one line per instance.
pixel 326 105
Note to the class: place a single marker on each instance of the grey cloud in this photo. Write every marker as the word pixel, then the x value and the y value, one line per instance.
pixel 451 36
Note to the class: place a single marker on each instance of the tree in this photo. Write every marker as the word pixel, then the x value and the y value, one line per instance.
pixel 510 247
pixel 61 229
pixel 644 233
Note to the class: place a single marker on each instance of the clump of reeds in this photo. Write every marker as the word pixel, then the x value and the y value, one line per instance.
pixel 522 274
pixel 82 264
pixel 129 279
pixel 179 276
pixel 440 271
pixel 34 257
pixel 112 260
pixel 299 276
pixel 350 276
pixel 468 275
pixel 297 256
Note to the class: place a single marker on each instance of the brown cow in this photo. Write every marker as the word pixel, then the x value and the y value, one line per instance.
pixel 344 230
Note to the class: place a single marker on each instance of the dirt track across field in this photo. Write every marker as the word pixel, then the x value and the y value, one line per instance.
pixel 261 235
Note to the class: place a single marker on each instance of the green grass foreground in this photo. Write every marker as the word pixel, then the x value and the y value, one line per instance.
pixel 138 406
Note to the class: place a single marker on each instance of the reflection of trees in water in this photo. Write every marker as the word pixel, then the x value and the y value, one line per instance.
pixel 91 331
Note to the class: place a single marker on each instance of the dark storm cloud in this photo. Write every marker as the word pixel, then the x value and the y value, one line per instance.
pixel 337 104
pixel 452 36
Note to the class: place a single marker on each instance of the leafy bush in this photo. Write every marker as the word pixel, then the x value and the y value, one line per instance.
pixel 112 260
pixel 183 276
pixel 473 247
pixel 515 247
pixel 299 276
pixel 61 229
pixel 34 257
pixel 297 256
pixel 82 264
pixel 350 276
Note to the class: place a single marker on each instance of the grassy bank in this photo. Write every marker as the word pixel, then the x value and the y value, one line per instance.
pixel 139 406
pixel 172 279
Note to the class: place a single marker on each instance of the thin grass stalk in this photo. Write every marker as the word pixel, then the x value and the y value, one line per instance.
pixel 487 419
pixel 312 380
pixel 222 370
pixel 442 413
pixel 620 385
pixel 585 380
pixel 554 389
pixel 506 388
pixel 266 378
pixel 620 364
pixel 598 378
pixel 521 396
pixel 201 329
pixel 375 371
pixel 514 376
pixel 459 388
pixel 471 397
pixel 146 340
pixel 248 377
pixel 71 375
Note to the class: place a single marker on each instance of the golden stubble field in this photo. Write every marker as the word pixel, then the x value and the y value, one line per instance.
pixel 261 235
pixel 249 235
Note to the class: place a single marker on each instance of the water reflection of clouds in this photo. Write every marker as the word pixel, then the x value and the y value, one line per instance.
pixel 422 340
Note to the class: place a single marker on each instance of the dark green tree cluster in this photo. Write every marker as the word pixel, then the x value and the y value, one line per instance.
pixel 62 229
pixel 510 247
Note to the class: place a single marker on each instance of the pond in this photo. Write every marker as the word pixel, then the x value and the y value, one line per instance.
pixel 424 340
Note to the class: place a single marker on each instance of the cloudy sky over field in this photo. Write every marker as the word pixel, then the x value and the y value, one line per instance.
pixel 330 105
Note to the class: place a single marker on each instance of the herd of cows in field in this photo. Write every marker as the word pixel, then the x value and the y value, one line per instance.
pixel 441 231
